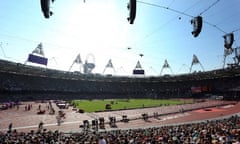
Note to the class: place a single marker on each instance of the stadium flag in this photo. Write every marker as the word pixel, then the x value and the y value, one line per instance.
pixel 78 59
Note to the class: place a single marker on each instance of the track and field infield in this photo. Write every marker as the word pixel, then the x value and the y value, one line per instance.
pixel 123 104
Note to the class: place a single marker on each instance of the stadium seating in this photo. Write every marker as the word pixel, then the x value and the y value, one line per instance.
pixel 215 131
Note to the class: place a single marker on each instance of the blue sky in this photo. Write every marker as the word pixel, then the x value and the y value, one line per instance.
pixel 100 28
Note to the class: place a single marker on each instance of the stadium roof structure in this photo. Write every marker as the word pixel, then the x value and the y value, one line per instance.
pixel 109 66
pixel 21 69
pixel 78 61
pixel 166 66
pixel 195 61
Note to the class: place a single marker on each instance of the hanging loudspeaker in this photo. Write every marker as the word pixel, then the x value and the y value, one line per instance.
pixel 45 6
pixel 132 5
pixel 197 25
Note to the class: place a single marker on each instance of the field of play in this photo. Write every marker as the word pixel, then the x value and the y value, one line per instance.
pixel 119 104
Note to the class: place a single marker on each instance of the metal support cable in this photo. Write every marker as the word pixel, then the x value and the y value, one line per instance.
pixel 209 7
pixel 164 7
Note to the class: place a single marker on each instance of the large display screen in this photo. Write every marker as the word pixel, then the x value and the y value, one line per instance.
pixel 37 59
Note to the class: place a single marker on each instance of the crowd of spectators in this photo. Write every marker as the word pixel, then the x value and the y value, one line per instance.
pixel 223 131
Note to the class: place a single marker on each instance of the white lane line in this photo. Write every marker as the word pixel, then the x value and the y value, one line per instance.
pixel 45 125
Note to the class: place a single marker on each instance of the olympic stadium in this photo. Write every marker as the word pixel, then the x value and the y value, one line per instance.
pixel 36 101
pixel 35 104
pixel 31 95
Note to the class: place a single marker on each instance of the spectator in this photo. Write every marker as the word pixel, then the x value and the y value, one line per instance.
pixel 102 140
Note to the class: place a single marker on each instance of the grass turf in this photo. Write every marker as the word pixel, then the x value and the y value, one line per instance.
pixel 118 104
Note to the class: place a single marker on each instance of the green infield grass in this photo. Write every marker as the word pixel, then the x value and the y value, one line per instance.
pixel 119 104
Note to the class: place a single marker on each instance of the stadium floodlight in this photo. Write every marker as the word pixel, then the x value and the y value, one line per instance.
pixel 132 6
pixel 197 25
pixel 228 40
pixel 45 6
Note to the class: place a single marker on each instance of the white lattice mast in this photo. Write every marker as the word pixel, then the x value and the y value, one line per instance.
pixel 195 61
pixel 39 50
pixel 138 69
pixel 235 52
pixel 3 52
pixel 121 69
pixel 109 66
pixel 227 52
pixel 237 56
pixel 89 64
pixel 166 65
pixel 78 61
pixel 138 65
